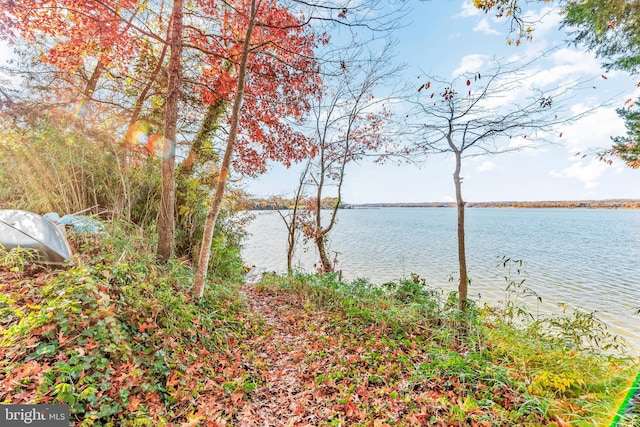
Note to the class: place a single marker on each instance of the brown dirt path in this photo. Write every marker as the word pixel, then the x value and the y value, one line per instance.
pixel 279 353
pixel 285 356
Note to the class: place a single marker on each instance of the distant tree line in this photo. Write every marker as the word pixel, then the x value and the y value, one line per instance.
pixel 592 204
pixel 278 203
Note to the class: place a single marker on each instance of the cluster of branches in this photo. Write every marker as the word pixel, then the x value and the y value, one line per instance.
pixel 486 113
pixel 348 123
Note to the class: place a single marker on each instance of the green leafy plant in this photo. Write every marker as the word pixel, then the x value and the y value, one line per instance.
pixel 516 292
pixel 16 259
pixel 117 336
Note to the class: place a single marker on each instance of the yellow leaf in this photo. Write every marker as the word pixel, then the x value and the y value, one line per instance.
pixel 192 421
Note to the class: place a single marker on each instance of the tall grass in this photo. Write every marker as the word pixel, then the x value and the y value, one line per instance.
pixel 50 165
pixel 55 164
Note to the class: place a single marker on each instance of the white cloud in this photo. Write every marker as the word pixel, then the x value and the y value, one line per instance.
pixel 587 172
pixel 484 27
pixel 470 64
pixel 566 65
pixel 593 131
pixel 487 165
pixel 468 10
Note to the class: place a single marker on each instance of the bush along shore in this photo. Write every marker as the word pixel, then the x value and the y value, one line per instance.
pixel 119 339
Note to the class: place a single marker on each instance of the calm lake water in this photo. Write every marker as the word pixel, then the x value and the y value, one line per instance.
pixel 584 258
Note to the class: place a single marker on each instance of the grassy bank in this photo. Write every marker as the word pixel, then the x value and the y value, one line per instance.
pixel 485 367
pixel 119 339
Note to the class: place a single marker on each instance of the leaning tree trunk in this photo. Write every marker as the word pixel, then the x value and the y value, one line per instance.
pixel 462 257
pixel 212 215
pixel 327 265
pixel 166 219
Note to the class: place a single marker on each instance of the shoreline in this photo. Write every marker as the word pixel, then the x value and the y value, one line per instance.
pixel 560 204
pixel 270 204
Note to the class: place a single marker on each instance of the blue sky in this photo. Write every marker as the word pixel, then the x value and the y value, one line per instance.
pixel 448 37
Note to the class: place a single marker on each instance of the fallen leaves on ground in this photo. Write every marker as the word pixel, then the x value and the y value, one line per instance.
pixel 283 363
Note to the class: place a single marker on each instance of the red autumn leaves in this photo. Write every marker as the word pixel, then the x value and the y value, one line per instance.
pixel 123 35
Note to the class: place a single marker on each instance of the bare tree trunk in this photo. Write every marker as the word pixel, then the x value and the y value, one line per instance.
pixel 166 220
pixel 291 240
pixel 327 265
pixel 320 232
pixel 212 215
pixel 93 81
pixel 89 89
pixel 462 257
pixel 293 223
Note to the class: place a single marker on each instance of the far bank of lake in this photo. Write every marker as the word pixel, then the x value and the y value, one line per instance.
pixel 585 258
pixel 274 203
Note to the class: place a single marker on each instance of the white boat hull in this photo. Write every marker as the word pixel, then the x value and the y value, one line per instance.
pixel 28 230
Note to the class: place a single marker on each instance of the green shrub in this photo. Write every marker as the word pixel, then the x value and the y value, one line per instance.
pixel 193 196
pixel 116 336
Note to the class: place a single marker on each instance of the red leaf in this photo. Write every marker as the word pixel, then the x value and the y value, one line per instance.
pixel 134 403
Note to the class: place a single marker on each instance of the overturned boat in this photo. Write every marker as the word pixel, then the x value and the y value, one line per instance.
pixel 28 230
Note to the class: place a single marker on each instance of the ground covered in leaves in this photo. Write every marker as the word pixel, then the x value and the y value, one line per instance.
pixel 325 372
pixel 124 344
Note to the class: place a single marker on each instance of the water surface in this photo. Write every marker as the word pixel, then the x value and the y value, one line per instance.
pixel 586 258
